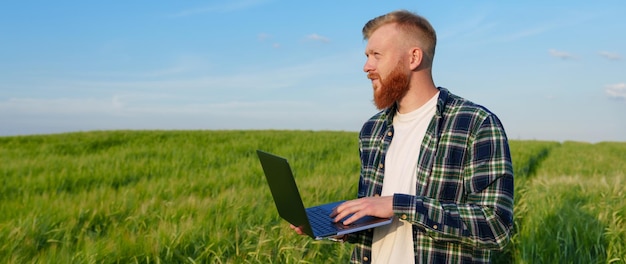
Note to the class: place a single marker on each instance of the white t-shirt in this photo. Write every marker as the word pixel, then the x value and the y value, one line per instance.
pixel 394 243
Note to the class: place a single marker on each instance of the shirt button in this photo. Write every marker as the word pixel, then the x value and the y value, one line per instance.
pixel 365 258
pixel 435 227
pixel 380 165
pixel 404 217
pixel 389 133
pixel 376 195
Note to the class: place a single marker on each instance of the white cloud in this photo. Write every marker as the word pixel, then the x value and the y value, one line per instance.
pixel 69 106
pixel 561 54
pixel 316 37
pixel 246 82
pixel 263 36
pixel 264 98
pixel 182 65
pixel 617 91
pixel 226 6
pixel 482 29
pixel 610 55
pixel 37 116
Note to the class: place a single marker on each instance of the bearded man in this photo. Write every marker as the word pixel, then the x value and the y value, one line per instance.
pixel 437 163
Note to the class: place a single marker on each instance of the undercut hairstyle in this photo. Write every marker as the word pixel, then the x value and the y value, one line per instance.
pixel 415 27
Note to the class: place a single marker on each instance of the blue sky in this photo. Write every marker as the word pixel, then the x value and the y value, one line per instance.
pixel 551 70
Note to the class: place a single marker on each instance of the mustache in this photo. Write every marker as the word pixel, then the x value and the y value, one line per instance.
pixel 372 76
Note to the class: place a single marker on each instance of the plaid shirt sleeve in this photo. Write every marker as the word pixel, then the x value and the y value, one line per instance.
pixel 464 202
pixel 466 186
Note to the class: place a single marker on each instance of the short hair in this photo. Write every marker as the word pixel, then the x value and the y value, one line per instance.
pixel 410 24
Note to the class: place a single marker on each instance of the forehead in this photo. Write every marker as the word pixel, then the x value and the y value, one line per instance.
pixel 383 38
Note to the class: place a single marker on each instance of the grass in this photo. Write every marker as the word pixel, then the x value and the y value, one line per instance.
pixel 200 197
pixel 573 207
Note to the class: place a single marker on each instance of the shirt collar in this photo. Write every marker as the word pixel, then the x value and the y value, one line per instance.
pixel 389 113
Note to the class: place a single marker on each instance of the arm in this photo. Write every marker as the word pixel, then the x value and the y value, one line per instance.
pixel 483 216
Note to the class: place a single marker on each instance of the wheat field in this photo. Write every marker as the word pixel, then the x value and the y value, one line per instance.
pixel 200 197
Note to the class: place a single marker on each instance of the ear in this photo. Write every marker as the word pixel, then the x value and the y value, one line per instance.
pixel 416 56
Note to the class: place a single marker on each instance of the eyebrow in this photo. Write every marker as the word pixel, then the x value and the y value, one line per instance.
pixel 370 51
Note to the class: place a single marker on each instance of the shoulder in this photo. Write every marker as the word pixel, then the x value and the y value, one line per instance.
pixel 460 114
pixel 376 123
pixel 453 104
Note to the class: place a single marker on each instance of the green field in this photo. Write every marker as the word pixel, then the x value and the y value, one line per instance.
pixel 200 197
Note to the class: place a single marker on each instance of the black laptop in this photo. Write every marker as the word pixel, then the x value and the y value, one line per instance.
pixel 315 221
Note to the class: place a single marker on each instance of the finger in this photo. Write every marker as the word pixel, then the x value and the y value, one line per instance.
pixel 340 214
pixel 333 213
pixel 297 229
pixel 339 208
pixel 347 210
pixel 355 217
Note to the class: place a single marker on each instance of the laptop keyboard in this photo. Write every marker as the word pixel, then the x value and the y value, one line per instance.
pixel 320 220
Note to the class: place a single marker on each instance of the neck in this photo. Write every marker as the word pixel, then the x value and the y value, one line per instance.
pixel 417 96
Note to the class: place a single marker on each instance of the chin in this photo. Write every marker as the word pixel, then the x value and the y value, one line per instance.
pixel 375 86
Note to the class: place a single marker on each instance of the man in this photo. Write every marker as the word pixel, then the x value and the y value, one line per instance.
pixel 439 164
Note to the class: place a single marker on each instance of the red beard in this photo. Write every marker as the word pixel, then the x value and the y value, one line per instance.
pixel 392 88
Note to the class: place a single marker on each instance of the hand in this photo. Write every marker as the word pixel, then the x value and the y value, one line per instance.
pixel 374 206
pixel 298 229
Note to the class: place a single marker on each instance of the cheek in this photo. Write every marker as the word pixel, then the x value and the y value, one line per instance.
pixel 384 70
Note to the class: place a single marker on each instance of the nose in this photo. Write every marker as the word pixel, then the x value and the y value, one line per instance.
pixel 368 66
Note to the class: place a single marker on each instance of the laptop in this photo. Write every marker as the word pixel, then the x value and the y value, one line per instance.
pixel 314 221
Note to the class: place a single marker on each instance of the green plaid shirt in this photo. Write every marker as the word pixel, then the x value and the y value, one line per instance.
pixel 464 203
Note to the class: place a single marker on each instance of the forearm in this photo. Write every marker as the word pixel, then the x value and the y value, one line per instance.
pixel 480 226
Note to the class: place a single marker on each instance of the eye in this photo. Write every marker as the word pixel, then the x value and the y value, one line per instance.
pixel 369 53
pixel 375 54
